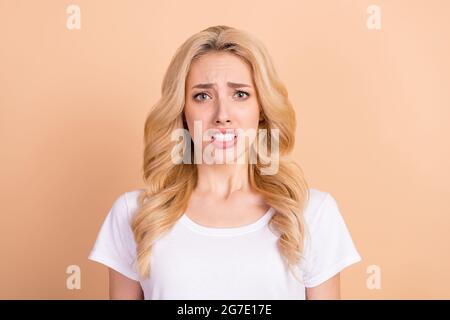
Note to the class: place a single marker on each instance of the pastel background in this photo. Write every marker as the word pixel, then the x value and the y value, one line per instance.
pixel 373 110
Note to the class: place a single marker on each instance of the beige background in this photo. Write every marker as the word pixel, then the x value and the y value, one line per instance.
pixel 373 108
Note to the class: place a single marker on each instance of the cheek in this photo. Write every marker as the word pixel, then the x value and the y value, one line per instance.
pixel 195 117
pixel 249 116
pixel 196 112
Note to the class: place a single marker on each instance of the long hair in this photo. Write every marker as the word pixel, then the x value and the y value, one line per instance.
pixel 168 185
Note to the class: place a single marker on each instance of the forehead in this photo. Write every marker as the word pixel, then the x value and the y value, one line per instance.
pixel 219 66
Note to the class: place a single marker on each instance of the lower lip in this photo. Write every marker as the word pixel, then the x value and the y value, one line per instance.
pixel 224 144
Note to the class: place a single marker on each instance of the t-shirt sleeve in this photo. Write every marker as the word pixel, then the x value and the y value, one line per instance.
pixel 329 247
pixel 115 246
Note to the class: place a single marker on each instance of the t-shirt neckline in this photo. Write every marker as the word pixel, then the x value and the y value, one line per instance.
pixel 258 224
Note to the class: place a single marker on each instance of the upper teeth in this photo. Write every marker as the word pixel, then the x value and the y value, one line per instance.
pixel 224 137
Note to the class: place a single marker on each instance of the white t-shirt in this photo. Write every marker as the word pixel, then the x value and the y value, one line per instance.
pixel 193 261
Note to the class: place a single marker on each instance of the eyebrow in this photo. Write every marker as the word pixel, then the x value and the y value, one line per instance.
pixel 230 84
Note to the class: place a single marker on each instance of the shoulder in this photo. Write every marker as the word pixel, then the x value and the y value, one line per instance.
pixel 320 207
pixel 131 198
pixel 315 199
pixel 126 204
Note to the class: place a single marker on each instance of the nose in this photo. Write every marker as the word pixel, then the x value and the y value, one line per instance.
pixel 222 116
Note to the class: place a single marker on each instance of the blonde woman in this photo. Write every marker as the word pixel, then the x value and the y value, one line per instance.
pixel 214 221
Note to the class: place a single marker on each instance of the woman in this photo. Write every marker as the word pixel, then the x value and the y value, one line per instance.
pixel 214 221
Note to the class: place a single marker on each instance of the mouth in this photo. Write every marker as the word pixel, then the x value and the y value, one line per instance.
pixel 224 140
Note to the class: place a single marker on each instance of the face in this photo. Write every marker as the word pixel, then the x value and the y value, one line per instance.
pixel 221 98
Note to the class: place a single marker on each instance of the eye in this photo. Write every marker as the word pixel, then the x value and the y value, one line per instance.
pixel 242 94
pixel 202 96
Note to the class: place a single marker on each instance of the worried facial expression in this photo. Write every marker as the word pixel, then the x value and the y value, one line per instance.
pixel 221 96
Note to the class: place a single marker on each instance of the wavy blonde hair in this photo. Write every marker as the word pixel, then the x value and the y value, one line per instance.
pixel 168 186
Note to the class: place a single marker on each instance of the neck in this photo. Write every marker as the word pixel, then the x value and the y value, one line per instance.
pixel 222 179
